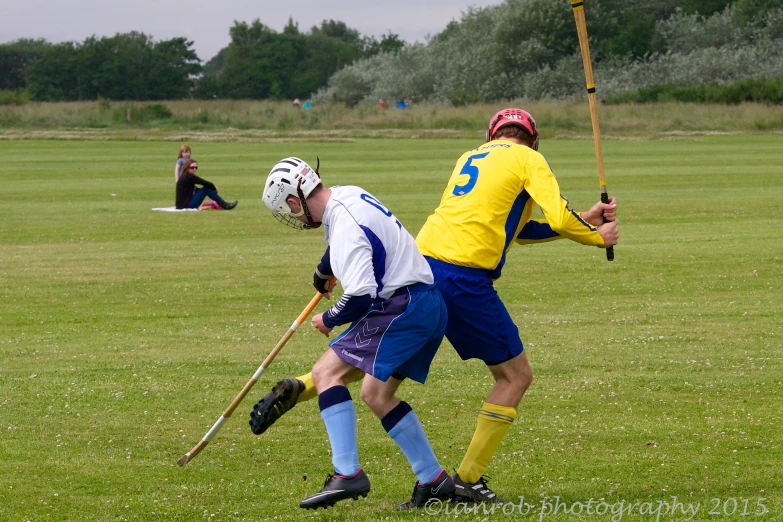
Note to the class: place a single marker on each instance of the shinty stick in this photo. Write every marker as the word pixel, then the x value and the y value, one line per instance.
pixel 584 45
pixel 187 457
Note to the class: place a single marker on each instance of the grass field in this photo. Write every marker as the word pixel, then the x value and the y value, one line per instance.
pixel 125 333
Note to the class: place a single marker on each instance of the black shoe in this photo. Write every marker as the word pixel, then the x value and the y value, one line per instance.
pixel 439 490
pixel 475 492
pixel 337 488
pixel 274 404
pixel 229 205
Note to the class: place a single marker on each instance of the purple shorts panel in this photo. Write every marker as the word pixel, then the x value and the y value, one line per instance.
pixel 358 346
pixel 401 333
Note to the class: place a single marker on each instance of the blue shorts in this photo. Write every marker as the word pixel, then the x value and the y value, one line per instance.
pixel 479 325
pixel 399 335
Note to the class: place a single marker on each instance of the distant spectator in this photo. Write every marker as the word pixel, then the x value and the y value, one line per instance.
pixel 307 105
pixel 381 104
pixel 189 197
pixel 297 103
pixel 401 104
pixel 184 155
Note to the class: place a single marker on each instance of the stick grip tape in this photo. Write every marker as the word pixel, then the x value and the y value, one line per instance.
pixel 610 250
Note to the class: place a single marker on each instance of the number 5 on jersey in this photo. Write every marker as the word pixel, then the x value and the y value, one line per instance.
pixel 472 171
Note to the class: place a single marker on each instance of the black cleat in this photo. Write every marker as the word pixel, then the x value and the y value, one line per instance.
pixel 337 488
pixel 439 490
pixel 274 404
pixel 228 205
pixel 475 492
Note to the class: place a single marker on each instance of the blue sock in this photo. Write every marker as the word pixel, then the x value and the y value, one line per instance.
pixel 404 427
pixel 339 415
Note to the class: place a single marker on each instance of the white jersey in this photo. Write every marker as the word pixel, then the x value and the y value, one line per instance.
pixel 370 250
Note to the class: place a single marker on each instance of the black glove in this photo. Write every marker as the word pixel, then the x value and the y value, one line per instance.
pixel 320 279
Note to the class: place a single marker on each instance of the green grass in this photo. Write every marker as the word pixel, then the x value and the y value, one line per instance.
pixel 125 333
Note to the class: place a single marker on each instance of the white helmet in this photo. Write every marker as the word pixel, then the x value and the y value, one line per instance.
pixel 291 177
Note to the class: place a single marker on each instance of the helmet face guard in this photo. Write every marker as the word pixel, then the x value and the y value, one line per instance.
pixel 291 177
pixel 516 117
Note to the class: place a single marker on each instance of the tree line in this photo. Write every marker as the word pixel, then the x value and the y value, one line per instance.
pixel 520 48
pixel 124 67
pixel 258 63
pixel 529 49
pixel 261 63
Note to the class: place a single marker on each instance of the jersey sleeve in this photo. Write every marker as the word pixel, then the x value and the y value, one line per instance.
pixel 559 219
pixel 324 268
pixel 536 231
pixel 348 309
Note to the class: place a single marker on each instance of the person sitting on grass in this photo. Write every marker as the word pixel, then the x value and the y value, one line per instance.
pixel 189 197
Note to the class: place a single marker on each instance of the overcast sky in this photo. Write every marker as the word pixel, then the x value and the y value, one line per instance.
pixel 207 22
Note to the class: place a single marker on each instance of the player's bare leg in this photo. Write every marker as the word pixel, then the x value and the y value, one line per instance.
pixel 379 396
pixel 512 379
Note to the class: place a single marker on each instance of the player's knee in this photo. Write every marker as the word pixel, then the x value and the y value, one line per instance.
pixel 321 376
pixel 513 384
pixel 370 398
pixel 526 378
pixel 523 373
pixel 517 386
pixel 514 372
pixel 375 400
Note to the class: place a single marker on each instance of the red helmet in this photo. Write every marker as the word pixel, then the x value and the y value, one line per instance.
pixel 508 117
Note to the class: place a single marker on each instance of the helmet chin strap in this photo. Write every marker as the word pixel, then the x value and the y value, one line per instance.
pixel 310 222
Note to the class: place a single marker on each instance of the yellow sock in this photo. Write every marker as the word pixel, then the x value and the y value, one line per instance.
pixel 493 424
pixel 309 391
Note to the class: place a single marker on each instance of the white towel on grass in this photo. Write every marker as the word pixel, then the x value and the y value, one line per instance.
pixel 175 209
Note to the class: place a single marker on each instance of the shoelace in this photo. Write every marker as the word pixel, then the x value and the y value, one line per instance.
pixel 483 480
pixel 487 491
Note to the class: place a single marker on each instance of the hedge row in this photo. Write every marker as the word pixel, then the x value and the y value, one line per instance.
pixel 760 90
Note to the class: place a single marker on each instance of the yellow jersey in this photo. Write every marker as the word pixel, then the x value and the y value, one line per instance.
pixel 487 206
